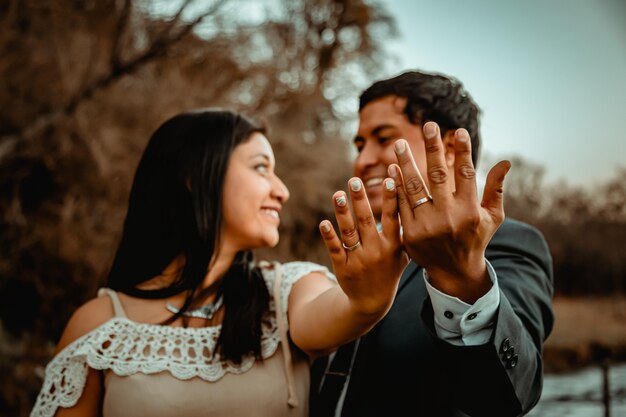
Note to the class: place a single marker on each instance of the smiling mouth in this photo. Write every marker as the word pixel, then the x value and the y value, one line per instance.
pixel 272 213
pixel 373 182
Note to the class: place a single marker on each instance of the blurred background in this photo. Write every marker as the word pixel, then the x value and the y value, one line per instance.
pixel 83 83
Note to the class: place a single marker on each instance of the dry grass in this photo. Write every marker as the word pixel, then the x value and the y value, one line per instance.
pixel 586 330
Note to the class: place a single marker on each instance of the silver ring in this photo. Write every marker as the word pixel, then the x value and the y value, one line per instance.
pixel 421 201
pixel 351 248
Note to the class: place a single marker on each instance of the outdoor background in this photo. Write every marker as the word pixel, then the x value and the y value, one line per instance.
pixel 84 83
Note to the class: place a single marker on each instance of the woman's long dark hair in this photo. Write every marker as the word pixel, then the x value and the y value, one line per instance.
pixel 175 208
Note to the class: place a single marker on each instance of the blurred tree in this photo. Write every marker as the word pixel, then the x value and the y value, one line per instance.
pixel 585 227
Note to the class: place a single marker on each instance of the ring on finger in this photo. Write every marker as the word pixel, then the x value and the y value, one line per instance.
pixel 421 201
pixel 351 248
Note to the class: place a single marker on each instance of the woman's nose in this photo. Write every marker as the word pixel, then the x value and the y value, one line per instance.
pixel 280 190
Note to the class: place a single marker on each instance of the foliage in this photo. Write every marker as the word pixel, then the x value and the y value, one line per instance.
pixel 585 227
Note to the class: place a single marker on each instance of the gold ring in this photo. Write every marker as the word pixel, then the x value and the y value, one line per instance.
pixel 421 201
pixel 351 248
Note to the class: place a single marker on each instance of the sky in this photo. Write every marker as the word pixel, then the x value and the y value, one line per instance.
pixel 549 75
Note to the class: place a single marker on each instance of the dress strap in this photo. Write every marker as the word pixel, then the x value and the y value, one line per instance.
pixel 292 399
pixel 118 310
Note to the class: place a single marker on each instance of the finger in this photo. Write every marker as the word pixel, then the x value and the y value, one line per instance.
pixel 404 207
pixel 349 234
pixel 464 172
pixel 332 242
pixel 389 218
pixel 493 196
pixel 365 222
pixel 437 171
pixel 413 183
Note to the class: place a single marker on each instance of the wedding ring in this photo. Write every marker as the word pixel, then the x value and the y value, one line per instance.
pixel 351 248
pixel 421 201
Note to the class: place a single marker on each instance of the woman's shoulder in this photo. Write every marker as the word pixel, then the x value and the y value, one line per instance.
pixel 289 274
pixel 85 319
pixel 294 268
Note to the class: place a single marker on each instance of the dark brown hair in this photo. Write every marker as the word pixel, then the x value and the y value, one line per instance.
pixel 431 97
pixel 175 208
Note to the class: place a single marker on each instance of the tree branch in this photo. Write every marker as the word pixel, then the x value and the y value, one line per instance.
pixel 156 49
pixel 122 22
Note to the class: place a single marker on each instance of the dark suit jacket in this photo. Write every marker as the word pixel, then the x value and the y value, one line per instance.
pixel 403 369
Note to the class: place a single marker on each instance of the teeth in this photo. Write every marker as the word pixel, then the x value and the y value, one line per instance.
pixel 272 212
pixel 373 181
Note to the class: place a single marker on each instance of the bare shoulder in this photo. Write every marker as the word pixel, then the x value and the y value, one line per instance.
pixel 87 317
pixel 316 275
pixel 310 286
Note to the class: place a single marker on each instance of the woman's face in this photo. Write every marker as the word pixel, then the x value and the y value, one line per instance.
pixel 253 196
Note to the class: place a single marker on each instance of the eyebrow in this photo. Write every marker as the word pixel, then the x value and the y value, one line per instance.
pixel 262 155
pixel 375 132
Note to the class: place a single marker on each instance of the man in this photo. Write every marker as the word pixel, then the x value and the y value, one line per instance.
pixel 464 335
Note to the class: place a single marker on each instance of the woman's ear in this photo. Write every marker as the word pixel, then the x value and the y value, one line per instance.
pixel 448 147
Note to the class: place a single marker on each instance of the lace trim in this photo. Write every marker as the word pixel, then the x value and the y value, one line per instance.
pixel 127 347
pixel 291 273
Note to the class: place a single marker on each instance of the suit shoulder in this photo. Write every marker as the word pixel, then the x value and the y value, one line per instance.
pixel 519 231
pixel 516 238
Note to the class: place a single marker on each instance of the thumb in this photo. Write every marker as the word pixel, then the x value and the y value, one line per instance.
pixel 493 196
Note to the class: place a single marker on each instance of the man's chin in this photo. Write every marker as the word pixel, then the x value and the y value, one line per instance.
pixel 377 212
pixel 376 203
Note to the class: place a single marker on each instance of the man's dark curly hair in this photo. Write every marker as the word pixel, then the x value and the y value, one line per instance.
pixel 431 97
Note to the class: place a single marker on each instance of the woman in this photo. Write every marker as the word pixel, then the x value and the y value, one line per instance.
pixel 189 325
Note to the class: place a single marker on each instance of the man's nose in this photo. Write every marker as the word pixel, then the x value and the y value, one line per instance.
pixel 368 157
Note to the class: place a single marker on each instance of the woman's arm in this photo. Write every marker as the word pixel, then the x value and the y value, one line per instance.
pixel 85 319
pixel 322 316
pixel 90 402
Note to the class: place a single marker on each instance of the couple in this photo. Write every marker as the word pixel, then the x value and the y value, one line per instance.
pixel 190 325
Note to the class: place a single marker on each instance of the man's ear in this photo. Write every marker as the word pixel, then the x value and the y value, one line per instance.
pixel 448 147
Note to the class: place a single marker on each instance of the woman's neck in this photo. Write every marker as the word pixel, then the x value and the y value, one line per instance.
pixel 218 266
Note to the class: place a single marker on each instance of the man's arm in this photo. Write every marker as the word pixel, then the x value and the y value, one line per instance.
pixel 504 376
pixel 447 231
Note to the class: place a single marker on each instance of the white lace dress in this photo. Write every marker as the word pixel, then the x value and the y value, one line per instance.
pixel 156 370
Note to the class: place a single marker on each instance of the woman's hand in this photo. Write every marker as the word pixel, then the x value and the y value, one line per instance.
pixel 368 263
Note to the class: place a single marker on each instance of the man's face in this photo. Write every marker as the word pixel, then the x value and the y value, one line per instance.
pixel 381 123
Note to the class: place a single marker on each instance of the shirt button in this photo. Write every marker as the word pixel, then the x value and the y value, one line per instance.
pixel 448 314
pixel 472 316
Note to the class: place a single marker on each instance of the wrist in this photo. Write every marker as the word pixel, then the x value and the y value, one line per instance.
pixel 468 283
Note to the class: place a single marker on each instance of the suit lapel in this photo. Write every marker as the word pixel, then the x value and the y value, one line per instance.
pixel 360 371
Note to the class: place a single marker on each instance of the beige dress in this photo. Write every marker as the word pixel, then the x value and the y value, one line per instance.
pixel 155 370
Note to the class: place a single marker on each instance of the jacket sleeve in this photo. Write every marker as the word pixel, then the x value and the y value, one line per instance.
pixel 504 377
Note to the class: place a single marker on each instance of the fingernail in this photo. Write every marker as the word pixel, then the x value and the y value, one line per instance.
pixel 325 227
pixel 400 146
pixel 341 200
pixel 392 171
pixel 355 185
pixel 430 130
pixel 462 137
pixel 390 185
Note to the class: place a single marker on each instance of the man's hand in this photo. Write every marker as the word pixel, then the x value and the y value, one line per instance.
pixel 446 230
pixel 368 263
